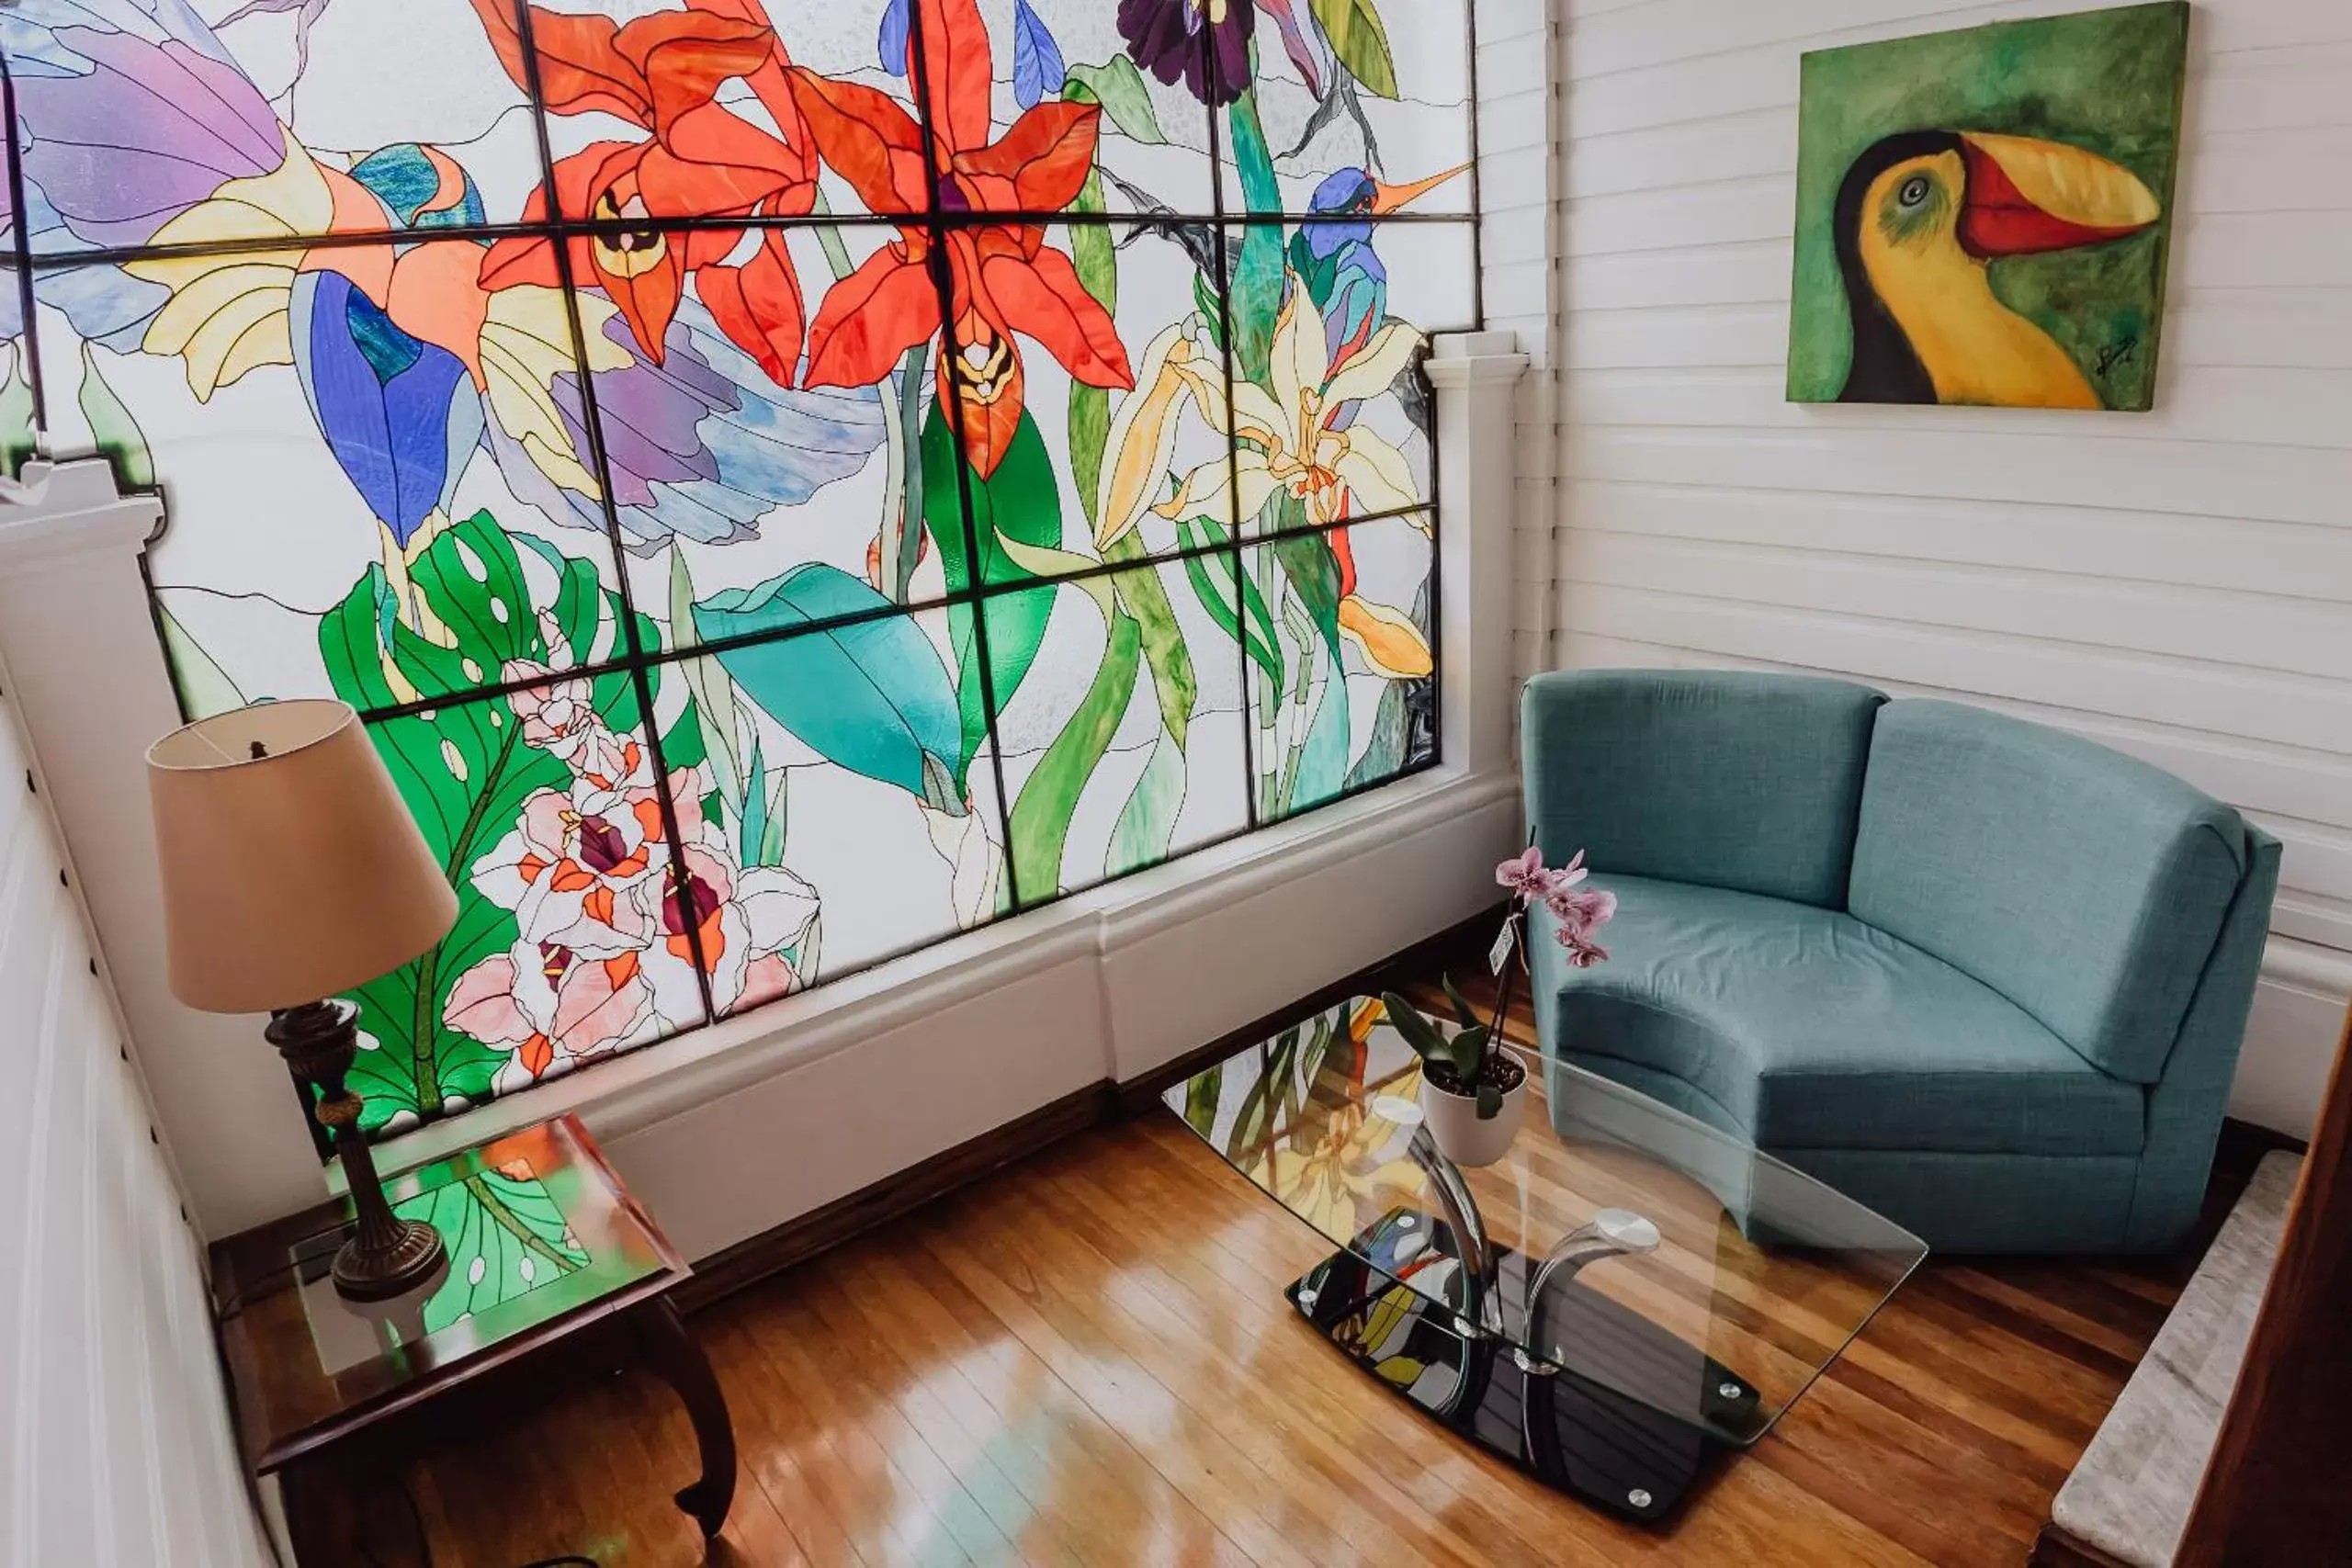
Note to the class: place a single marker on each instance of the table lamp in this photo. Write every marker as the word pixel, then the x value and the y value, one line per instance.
pixel 291 872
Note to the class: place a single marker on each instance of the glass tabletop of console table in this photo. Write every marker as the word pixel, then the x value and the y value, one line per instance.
pixel 1619 1246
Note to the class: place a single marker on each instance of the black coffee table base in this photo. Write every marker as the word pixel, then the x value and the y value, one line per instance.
pixel 1580 1437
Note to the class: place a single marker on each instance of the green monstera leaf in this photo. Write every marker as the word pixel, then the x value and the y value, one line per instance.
pixel 461 767
pixel 871 696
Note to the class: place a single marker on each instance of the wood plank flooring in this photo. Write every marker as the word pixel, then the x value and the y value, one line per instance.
pixel 1085 1361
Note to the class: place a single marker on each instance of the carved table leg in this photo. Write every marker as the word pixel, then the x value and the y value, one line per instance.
pixel 677 1360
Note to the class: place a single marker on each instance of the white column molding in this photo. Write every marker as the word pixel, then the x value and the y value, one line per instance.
pixel 1475 375
pixel 78 640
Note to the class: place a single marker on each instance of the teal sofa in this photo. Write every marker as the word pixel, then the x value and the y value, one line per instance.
pixel 1986 977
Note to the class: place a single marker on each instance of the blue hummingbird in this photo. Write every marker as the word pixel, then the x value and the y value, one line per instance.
pixel 1333 253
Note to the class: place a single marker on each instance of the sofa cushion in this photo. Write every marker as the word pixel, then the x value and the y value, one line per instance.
pixel 1809 1029
pixel 1725 777
pixel 2083 885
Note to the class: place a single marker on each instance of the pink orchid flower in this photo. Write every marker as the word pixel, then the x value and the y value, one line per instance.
pixel 551 1007
pixel 1580 914
pixel 1525 876
pixel 566 866
pixel 1524 873
pixel 1586 911
pixel 744 917
pixel 559 718
pixel 1582 954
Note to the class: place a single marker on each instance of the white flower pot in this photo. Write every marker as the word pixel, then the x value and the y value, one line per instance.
pixel 1460 1136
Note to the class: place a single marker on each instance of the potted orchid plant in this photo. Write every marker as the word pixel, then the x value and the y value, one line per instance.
pixel 1476 1090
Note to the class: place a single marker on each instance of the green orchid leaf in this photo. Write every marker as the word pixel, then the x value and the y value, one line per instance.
pixel 117 434
pixel 1118 87
pixel 1147 821
pixel 1096 258
pixel 1462 1007
pixel 1142 595
pixel 1361 43
pixel 753 828
pixel 1417 1031
pixel 1048 799
pixel 1466 1050
pixel 1022 501
pixel 1212 578
pixel 19 439
pixel 1490 1101
pixel 714 693
pixel 1201 1098
pixel 1257 285
pixel 1384 753
pixel 870 695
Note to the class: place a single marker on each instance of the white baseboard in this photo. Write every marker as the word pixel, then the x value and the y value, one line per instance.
pixel 2292 1036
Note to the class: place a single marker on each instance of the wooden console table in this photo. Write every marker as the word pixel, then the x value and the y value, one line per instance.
pixel 554 1272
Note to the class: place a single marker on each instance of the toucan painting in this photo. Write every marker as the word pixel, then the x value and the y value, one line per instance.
pixel 1982 215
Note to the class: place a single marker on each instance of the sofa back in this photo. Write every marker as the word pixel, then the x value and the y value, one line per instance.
pixel 2086 886
pixel 1736 780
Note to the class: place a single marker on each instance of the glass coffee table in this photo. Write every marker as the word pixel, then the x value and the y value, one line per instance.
pixel 1627 1293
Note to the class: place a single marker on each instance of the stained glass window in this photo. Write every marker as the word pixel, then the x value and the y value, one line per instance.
pixel 784 488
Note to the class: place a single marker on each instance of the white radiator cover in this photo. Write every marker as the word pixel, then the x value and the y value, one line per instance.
pixel 117 1451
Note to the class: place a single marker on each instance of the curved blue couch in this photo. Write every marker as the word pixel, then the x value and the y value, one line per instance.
pixel 1986 978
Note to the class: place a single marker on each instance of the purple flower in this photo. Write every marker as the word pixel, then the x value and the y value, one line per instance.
pixel 1582 954
pixel 1164 37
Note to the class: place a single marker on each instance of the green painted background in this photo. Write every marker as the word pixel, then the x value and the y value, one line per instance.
pixel 2107 81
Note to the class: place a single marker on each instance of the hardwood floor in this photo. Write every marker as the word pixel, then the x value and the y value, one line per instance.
pixel 1086 1359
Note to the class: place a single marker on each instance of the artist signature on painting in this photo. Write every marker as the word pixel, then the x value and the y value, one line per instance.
pixel 2123 351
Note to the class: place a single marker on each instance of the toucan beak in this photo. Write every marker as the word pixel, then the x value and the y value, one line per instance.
pixel 2027 195
pixel 1386 197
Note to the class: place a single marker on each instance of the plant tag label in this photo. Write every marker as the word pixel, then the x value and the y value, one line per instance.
pixel 1504 940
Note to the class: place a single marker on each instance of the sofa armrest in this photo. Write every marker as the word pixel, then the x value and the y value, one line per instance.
pixel 2186 1106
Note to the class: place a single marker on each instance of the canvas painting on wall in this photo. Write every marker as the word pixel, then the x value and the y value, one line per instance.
pixel 1982 215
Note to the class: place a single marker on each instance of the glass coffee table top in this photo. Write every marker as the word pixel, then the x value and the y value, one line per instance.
pixel 1618 1241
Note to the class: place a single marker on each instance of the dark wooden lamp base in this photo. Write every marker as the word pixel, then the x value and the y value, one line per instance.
pixel 387 1256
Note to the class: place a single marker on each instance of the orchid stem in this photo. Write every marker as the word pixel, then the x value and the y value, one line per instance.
pixel 830 239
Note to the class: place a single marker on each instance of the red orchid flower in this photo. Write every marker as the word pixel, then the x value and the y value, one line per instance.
pixel 1002 277
pixel 662 73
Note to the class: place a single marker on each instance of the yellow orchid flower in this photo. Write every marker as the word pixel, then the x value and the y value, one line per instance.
pixel 1142 438
pixel 1286 439
pixel 1387 638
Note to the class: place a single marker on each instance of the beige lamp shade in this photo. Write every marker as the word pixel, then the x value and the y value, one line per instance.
pixel 292 872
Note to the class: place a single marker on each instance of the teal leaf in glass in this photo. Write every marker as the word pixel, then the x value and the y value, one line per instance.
pixel 870 695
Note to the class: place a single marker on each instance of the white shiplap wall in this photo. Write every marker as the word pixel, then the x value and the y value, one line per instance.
pixel 117 1451
pixel 1519 187
pixel 2178 584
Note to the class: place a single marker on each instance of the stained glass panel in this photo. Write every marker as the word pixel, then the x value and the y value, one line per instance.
pixel 1348 698
pixel 830 476
pixel 422 513
pixel 197 125
pixel 841 811
pixel 1123 743
pixel 545 804
pixel 1354 110
pixel 1332 413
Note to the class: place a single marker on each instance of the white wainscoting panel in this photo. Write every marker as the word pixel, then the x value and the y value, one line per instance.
pixel 117 1451
pixel 2178 584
